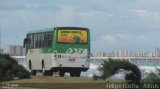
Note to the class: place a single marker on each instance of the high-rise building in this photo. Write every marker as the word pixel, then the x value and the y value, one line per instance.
pixel 138 54
pixel 14 50
pixel 131 54
pixel 156 52
pixel 122 53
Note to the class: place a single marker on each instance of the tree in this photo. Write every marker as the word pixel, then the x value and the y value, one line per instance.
pixel 111 67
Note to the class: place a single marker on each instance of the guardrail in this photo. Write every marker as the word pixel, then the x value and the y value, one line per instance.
pixel 19 57
pixel 126 58
pixel 97 58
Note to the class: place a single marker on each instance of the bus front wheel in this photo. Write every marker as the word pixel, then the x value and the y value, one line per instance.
pixel 33 72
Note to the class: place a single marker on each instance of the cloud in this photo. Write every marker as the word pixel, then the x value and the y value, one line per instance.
pixel 108 39
pixel 128 41
pixel 113 23
pixel 157 0
pixel 139 11
pixel 144 14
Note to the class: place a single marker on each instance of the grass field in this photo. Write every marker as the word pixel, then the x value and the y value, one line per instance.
pixel 54 82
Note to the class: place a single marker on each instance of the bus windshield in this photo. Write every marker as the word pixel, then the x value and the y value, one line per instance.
pixel 72 36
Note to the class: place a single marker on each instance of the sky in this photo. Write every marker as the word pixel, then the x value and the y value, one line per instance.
pixel 114 24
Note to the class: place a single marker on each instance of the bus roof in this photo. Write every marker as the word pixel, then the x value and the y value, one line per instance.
pixel 51 29
pixel 71 28
pixel 42 30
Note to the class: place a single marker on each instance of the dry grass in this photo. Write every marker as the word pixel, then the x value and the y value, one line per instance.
pixel 54 82
pixel 55 79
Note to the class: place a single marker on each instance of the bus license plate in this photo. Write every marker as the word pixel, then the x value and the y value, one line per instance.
pixel 71 60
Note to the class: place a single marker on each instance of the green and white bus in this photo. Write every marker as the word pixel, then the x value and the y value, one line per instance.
pixel 59 49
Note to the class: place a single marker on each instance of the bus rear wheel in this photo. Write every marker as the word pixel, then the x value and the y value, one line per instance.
pixel 46 72
pixel 50 73
pixel 78 73
pixel 75 73
pixel 72 74
pixel 61 73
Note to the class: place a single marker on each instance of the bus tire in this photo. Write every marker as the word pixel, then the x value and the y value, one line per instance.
pixel 50 73
pixel 61 73
pixel 30 65
pixel 72 74
pixel 33 72
pixel 44 72
pixel 78 73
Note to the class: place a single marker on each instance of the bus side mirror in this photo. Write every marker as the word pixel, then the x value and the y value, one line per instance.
pixel 26 40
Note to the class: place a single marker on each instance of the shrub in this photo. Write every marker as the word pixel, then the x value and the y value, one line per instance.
pixel 111 67
pixel 5 69
pixel 22 72
pixel 10 69
pixel 95 77
pixel 154 77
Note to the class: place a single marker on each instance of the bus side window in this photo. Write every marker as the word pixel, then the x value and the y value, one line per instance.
pixel 32 46
pixel 29 41
pixel 42 40
pixel 38 40
pixel 49 42
pixel 45 40
pixel 32 41
pixel 35 40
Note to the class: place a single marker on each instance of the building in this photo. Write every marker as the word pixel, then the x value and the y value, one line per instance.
pixel 111 54
pixel 131 54
pixel 139 54
pixel 156 52
pixel 122 53
pixel 14 50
